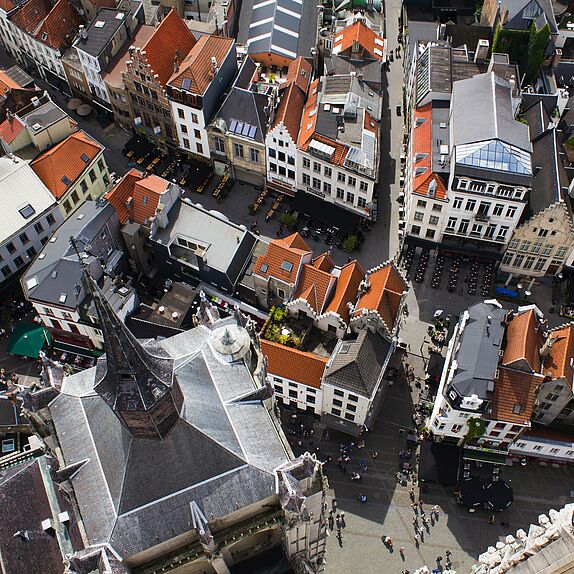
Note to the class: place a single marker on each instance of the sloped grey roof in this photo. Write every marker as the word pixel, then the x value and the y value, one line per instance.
pixel 134 493
pixel 520 12
pixel 479 346
pixel 482 110
pixel 357 365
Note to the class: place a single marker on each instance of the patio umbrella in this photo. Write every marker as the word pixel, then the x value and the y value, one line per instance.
pixel 27 340
pixel 74 104
pixel 84 110
pixel 498 495
pixel 472 492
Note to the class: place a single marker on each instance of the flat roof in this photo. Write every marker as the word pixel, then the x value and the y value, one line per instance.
pixel 102 29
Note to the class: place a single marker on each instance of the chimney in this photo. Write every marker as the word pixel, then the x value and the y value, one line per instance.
pixel 214 67
pixel 35 101
pixel 9 116
pixel 498 64
pixel 547 347
pixel 481 52
pixel 82 32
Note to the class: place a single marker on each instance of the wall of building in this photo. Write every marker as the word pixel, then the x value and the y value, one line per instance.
pixel 344 404
pixel 553 397
pixel 20 249
pixel 92 183
pixel 500 433
pixel 52 134
pixel 535 447
pixel 297 394
pixel 335 184
pixel 542 244
pixel 278 141
pixel 79 86
pixel 425 216
pixel 191 129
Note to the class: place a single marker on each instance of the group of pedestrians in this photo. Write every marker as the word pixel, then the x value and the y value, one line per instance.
pixel 337 519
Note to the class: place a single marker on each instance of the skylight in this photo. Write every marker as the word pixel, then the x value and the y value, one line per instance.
pixel 264 267
pixel 27 211
pixel 85 158
pixel 287 266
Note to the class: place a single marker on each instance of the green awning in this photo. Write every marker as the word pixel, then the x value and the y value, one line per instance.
pixel 490 456
pixel 75 349
pixel 28 339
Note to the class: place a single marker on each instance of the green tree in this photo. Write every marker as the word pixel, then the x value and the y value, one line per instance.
pixel 536 49
pixel 351 243
pixel 476 428
pixel 289 220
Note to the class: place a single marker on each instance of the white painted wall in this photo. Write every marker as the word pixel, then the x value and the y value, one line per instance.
pixel 190 127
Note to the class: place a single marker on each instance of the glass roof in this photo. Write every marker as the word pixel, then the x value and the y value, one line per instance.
pixel 494 155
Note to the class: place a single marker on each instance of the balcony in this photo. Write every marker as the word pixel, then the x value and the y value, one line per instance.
pixel 481 216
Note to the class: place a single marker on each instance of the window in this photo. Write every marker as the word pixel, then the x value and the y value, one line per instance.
pixel 278 389
pixel 463 227
pixel 421 203
pixel 433 220
pixel 180 113
pixel 338 402
pixel 273 167
pixel 306 179
pixel 364 186
pixel 197 134
pixel 529 262
pixel 352 408
pixel 306 162
pixel 238 150
pixel 92 175
pixel 292 394
pixel 101 164
pixel 524 246
pixel 489 233
pixel 518 260
pixel 272 152
pixel 476 229
pixel 340 193
pixel 290 160
pixel 316 167
pixel 310 399
pixel 30 252
pixel 560 252
pixel 352 181
pixel 327 171
pixel 338 393
pixel 470 205
pixel 341 177
pixel 419 216
pixel 254 155
pixel 38 228
pixel 183 128
pixel 451 223
pixel 353 398
pixel 74 197
pixel 24 238
pixel 219 145
pixel 327 187
pixel 510 211
pixel 547 249
pixel 6 270
pixel 536 247
pixel 457 203
pixel 18 261
pixel 552 396
pixel 11 248
pixel 199 147
pixel 416 230
pixel 316 183
pixel 282 170
pixel 430 234
pixel 185 143
pixel 194 118
pixel 350 197
pixel 349 417
pixel 290 174
pixel 84 186
pixel 502 231
pixel 362 202
pixel 281 156
pixel 437 207
pixel 336 412
pixel 456 428
pixel 498 209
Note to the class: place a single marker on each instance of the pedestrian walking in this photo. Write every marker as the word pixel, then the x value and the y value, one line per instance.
pixel 420 503
pixel 491 519
pixel 415 522
pixel 334 503
pixel 417 540
pixel 448 554
pixel 412 494
pixel 402 552
pixel 415 507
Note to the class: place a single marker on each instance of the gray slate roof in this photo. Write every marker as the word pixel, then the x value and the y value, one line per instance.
pixel 490 96
pixel 357 365
pixel 98 36
pixel 135 493
pixel 479 346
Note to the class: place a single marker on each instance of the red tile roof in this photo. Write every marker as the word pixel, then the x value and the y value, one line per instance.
pixel 323 262
pixel 422 144
pixel 298 366
pixel 120 194
pixel 197 67
pixel 300 72
pixel 290 250
pixel 523 340
pixel 346 289
pixel 7 5
pixel 539 431
pixel 290 110
pixel 7 83
pixel 146 198
pixel 48 24
pixel 313 287
pixel 10 129
pixel 171 39
pixel 359 33
pixel 64 160
pixel 384 294
pixel 558 360
pixel 514 395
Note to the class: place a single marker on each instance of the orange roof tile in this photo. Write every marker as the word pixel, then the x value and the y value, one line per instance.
pixel 384 294
pixel 10 129
pixel 172 39
pixel 298 366
pixel 119 195
pixel 279 252
pixel 346 289
pixel 523 340
pixel 7 5
pixel 313 286
pixel 514 395
pixel 197 65
pixel 299 71
pixel 309 114
pixel 30 15
pixel 290 110
pixel 359 33
pixel 147 195
pixel 7 83
pixel 323 262
pixel 64 160
pixel 558 360
pixel 62 22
